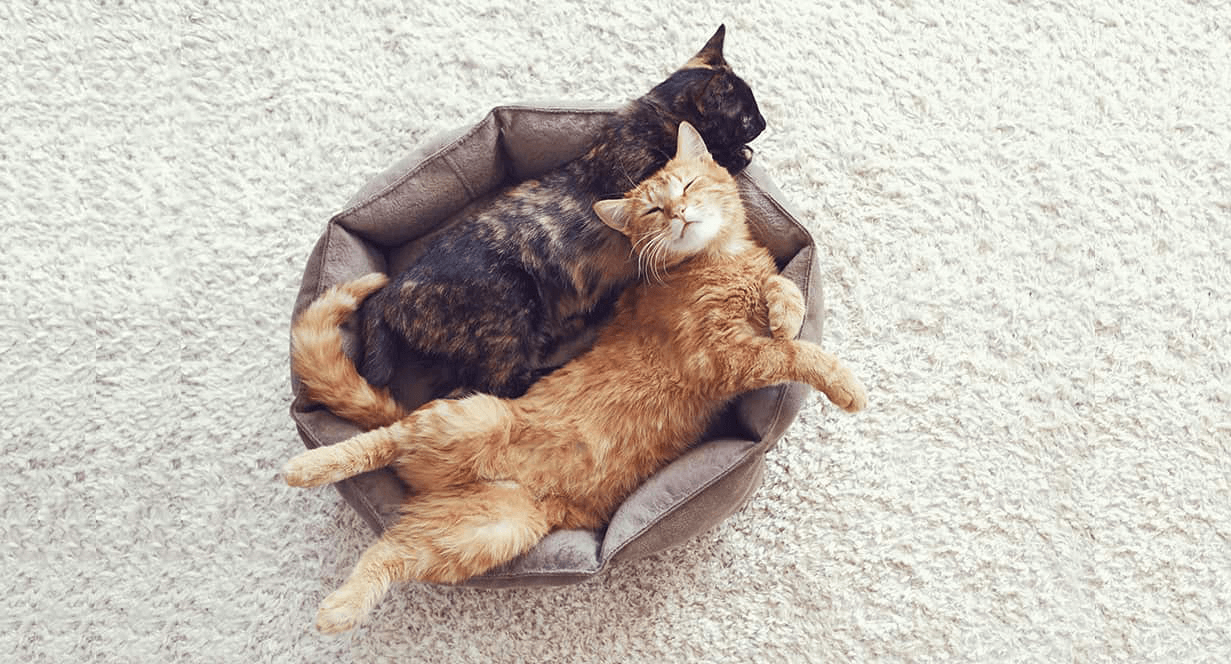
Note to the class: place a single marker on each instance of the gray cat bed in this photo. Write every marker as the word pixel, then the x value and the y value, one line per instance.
pixel 381 229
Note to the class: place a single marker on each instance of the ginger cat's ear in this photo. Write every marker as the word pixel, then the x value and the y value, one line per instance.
pixel 689 144
pixel 614 213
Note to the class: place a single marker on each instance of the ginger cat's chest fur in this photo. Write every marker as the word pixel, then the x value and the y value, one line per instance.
pixel 654 381
pixel 667 362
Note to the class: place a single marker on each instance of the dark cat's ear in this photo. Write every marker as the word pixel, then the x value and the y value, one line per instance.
pixel 689 144
pixel 614 213
pixel 710 55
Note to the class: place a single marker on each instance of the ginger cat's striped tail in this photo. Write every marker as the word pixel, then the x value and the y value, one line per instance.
pixel 328 375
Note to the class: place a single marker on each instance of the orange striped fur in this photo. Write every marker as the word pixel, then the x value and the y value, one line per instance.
pixel 328 376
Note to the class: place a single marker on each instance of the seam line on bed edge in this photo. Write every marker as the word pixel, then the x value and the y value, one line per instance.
pixel 457 173
pixel 414 170
pixel 452 144
pixel 320 270
pixel 722 474
pixel 528 574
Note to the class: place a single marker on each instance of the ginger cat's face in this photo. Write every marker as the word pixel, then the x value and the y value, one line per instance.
pixel 689 207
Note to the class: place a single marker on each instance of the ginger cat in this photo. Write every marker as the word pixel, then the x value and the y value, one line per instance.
pixel 490 476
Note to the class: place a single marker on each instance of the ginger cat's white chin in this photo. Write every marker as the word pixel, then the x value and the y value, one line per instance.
pixel 697 234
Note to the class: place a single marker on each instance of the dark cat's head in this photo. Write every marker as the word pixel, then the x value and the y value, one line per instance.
pixel 690 206
pixel 706 93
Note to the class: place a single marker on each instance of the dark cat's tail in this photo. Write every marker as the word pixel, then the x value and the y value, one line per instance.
pixel 328 375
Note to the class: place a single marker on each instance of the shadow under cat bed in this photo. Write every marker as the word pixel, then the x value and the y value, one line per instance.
pixel 387 221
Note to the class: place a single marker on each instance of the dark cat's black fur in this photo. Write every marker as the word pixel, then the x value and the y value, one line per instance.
pixel 533 267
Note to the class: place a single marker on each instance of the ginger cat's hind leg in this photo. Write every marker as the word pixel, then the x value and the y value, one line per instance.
pixel 333 463
pixel 444 443
pixel 446 537
pixel 450 442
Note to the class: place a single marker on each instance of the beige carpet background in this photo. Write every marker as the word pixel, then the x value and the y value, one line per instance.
pixel 1026 215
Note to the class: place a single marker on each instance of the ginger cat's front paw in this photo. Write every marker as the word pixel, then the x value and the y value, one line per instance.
pixel 846 392
pixel 786 307
pixel 340 612
pixel 785 323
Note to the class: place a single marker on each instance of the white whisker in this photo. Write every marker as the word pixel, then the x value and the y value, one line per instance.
pixel 659 255
pixel 650 248
pixel 639 248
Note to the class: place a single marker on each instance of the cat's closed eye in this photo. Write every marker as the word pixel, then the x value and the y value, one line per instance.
pixel 651 211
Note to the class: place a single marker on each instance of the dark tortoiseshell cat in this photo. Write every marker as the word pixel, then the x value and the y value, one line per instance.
pixel 532 267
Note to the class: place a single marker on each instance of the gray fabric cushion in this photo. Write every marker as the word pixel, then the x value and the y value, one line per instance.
pixel 383 225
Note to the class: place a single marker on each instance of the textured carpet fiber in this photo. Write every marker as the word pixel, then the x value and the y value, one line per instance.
pixel 1025 215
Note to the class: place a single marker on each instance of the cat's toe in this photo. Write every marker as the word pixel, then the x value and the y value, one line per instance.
pixel 302 471
pixel 337 615
pixel 295 474
pixel 789 329
pixel 846 392
pixel 856 397
pixel 335 621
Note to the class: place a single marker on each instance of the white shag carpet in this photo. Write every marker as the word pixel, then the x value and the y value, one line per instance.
pixel 1025 209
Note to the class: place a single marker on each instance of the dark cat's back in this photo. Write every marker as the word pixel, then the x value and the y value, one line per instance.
pixel 491 296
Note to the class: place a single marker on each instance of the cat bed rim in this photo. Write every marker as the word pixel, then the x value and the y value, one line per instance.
pixel 636 541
